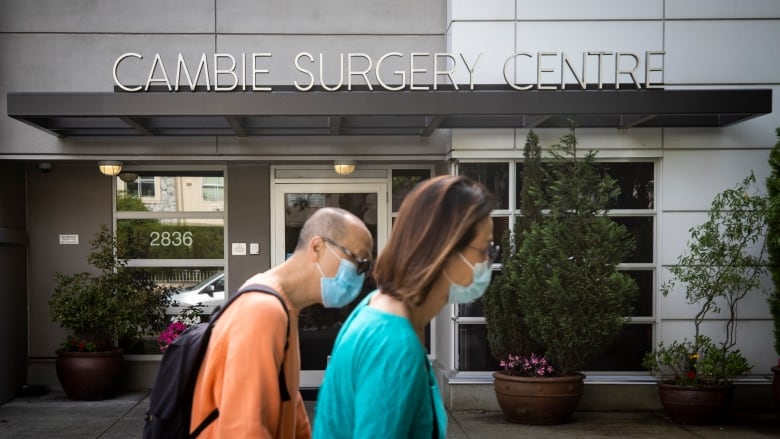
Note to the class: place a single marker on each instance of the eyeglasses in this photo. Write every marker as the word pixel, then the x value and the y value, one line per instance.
pixel 492 252
pixel 363 265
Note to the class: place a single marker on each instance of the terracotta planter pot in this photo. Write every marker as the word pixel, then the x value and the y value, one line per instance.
pixel 89 376
pixel 776 385
pixel 542 401
pixel 695 405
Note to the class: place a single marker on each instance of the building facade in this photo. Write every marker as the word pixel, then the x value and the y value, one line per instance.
pixel 227 117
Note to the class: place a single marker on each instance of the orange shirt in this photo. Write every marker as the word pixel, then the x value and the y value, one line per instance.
pixel 239 374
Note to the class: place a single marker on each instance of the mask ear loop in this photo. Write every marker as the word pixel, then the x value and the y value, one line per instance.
pixel 319 267
pixel 444 271
pixel 466 260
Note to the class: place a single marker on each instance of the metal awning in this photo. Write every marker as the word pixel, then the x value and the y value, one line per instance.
pixel 363 112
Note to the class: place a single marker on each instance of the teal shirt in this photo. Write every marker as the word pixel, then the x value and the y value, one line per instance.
pixel 379 382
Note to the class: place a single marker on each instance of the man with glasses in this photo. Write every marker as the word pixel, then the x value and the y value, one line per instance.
pixel 240 375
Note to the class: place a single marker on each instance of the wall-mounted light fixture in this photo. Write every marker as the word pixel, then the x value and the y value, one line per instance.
pixel 127 177
pixel 344 167
pixel 110 167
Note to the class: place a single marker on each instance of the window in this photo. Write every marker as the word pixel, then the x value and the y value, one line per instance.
pixel 173 225
pixel 141 187
pixel 402 182
pixel 213 189
pixel 635 209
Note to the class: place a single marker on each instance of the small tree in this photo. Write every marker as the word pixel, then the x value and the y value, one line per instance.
pixel 573 299
pixel 506 328
pixel 721 265
pixel 773 236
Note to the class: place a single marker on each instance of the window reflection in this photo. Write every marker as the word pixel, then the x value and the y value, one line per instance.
pixel 641 227
pixel 172 238
pixel 204 192
pixel 473 351
pixel 636 183
pixel 635 179
pixel 403 182
pixel 495 176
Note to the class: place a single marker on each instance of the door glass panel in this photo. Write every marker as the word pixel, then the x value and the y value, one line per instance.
pixel 319 325
pixel 403 182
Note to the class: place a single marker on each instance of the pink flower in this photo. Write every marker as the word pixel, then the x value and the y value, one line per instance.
pixel 532 366
pixel 170 334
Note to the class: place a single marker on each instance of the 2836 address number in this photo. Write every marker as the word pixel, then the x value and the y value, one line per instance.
pixel 168 239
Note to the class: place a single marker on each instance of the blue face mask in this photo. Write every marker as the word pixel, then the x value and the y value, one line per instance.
pixel 473 291
pixel 343 288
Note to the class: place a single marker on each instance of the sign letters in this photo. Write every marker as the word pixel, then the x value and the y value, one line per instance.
pixel 392 71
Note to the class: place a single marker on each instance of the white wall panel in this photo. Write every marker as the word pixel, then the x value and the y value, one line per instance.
pixel 691 179
pixel 757 349
pixel 484 139
pixel 611 141
pixel 590 10
pixel 673 238
pixel 722 9
pixel 481 10
pixel 674 306
pixel 712 52
pixel 115 16
pixel 331 17
pixel 495 41
pixel 575 38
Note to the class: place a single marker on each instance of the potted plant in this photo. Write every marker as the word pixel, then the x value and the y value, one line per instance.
pixel 100 311
pixel 773 250
pixel 567 300
pixel 722 264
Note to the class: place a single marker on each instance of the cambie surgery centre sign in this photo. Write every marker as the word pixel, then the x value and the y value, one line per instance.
pixel 392 71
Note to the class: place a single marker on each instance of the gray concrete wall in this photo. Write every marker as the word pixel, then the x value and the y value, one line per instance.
pixel 55 46
pixel 13 279
pixel 248 220
pixel 70 199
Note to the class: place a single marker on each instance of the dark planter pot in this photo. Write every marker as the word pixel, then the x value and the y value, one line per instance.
pixel 540 401
pixel 695 405
pixel 89 376
pixel 776 385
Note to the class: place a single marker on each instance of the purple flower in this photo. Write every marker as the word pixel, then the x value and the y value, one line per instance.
pixel 532 366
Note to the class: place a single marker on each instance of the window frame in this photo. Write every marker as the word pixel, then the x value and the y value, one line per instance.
pixel 513 212
pixel 214 214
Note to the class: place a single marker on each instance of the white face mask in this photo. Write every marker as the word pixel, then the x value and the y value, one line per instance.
pixel 473 291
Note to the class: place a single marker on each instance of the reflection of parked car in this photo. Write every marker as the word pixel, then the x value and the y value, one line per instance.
pixel 210 292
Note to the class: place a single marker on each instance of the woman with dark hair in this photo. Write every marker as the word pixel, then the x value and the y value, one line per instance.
pixel 379 382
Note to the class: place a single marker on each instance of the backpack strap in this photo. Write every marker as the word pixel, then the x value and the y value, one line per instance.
pixel 261 288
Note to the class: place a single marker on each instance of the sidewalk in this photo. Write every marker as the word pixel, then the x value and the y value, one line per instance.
pixel 54 416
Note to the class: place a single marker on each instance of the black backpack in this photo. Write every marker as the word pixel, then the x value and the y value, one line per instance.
pixel 170 402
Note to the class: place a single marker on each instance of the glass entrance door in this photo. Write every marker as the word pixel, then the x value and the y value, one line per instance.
pixel 293 204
